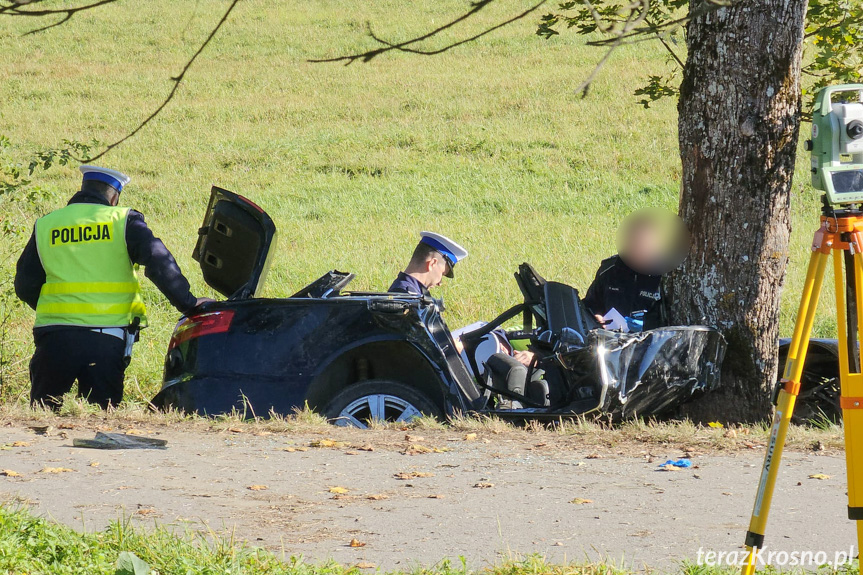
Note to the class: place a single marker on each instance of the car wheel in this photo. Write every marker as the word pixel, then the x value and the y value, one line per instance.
pixel 378 400
pixel 818 402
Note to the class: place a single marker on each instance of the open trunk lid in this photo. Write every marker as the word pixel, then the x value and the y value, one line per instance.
pixel 234 245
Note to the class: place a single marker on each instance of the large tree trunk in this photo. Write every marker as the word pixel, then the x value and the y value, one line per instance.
pixel 739 117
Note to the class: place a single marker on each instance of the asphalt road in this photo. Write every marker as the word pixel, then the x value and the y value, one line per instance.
pixel 485 498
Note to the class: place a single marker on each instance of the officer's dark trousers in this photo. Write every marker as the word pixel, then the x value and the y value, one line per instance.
pixel 64 355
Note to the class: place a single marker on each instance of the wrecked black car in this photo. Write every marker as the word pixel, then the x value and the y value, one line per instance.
pixel 361 356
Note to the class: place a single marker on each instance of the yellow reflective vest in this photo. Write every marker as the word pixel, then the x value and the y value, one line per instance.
pixel 90 280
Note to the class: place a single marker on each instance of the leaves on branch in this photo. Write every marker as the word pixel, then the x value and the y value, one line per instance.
pixel 832 42
pixel 657 87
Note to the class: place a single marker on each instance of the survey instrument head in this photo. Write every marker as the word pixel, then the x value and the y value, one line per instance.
pixel 837 143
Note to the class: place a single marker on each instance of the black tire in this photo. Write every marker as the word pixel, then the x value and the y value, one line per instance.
pixel 360 403
pixel 818 401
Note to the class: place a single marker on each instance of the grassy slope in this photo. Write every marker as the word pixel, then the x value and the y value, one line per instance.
pixel 487 143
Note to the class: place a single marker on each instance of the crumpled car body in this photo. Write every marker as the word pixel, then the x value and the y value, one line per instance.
pixel 358 356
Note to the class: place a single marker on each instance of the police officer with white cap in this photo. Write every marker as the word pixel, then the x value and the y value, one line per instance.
pixel 433 259
pixel 78 273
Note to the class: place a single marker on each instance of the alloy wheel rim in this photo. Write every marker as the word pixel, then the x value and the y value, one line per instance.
pixel 378 407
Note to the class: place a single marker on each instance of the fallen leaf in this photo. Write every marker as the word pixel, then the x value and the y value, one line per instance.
pixel 412 474
pixel 66 426
pixel 730 434
pixel 351 453
pixel 10 473
pixel 94 464
pixel 338 490
pixel 327 443
pixel 257 487
pixel 366 447
pixel 413 449
pixel 594 456
pixel 436 496
pixel 819 476
pixel 581 501
pixel 483 485
pixel 20 444
pixel 235 430
pixel 377 496
pixel 263 433
pixel 669 467
pixel 356 543
pixel 470 437
pixel 145 511
pixel 55 470
pixel 365 564
pixel 414 438
pixel 290 449
pixel 715 425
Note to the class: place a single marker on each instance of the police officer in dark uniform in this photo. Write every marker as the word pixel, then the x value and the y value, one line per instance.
pixel 433 259
pixel 78 273
pixel 651 242
pixel 618 286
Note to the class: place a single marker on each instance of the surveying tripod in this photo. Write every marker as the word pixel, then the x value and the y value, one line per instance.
pixel 841 233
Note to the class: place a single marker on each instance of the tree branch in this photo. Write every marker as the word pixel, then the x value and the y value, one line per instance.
pixel 15 9
pixel 177 80
pixel 404 46
pixel 661 39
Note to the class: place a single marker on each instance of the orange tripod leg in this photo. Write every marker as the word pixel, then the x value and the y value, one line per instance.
pixel 787 397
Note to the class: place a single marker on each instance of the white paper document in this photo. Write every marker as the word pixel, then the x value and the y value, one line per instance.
pixel 615 321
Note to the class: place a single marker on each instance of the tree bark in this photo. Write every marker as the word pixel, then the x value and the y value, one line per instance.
pixel 739 118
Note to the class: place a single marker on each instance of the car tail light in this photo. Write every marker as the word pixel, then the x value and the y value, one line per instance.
pixel 198 325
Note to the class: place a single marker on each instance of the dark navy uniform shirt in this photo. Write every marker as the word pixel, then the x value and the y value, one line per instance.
pixel 408 284
pixel 618 286
pixel 144 249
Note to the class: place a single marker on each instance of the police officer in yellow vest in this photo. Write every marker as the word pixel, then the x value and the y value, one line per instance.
pixel 78 273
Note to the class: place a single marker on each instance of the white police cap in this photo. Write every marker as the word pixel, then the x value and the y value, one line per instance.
pixel 111 177
pixel 451 251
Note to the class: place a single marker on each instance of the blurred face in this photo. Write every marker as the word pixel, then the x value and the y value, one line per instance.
pixel 652 241
pixel 642 247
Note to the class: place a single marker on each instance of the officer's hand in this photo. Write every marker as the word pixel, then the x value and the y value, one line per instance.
pixel 202 300
pixel 600 319
pixel 524 357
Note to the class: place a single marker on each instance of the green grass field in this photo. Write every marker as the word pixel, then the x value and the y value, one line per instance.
pixel 488 143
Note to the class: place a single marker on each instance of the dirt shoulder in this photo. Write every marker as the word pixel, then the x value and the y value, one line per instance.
pixel 415 496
